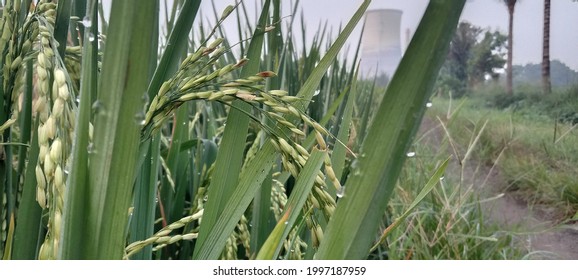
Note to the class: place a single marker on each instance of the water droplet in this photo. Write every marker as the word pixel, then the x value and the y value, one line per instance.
pixel 140 118
pixel 97 107
pixel 286 222
pixel 428 104
pixel 411 154
pixel 90 37
pixel 86 22
pixel 341 192
pixel 205 198
pixel 316 92
pixel 91 149
pixel 145 98
pixel 442 178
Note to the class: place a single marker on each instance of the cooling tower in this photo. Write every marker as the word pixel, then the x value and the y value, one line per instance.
pixel 381 45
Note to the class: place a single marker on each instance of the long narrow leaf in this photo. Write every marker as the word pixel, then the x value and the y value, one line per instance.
pixel 142 224
pixel 250 181
pixel 293 207
pixel 340 151
pixel 61 26
pixel 230 155
pixel 123 82
pixel 144 202
pixel 176 45
pixel 375 174
pixel 262 218
pixel 29 213
pixel 74 214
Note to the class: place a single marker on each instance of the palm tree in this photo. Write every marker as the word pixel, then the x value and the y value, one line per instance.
pixel 510 4
pixel 546 84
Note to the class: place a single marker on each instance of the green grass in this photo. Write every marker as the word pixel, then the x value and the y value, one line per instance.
pixel 537 155
pixel 450 223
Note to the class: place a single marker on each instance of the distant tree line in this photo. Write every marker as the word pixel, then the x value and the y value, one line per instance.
pixel 561 74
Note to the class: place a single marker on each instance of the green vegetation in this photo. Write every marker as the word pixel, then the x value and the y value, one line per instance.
pixel 123 143
pixel 530 138
pixel 113 149
pixel 475 54
pixel 450 223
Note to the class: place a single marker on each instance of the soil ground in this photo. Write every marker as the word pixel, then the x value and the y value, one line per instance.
pixel 534 227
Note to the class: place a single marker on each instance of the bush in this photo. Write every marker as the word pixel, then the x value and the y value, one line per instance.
pixel 529 101
pixel 504 101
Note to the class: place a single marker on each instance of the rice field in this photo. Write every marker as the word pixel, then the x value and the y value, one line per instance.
pixel 121 142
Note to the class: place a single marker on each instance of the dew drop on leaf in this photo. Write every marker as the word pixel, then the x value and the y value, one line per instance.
pixel 91 149
pixel 341 192
pixel 145 98
pixel 140 118
pixel 97 106
pixel 86 22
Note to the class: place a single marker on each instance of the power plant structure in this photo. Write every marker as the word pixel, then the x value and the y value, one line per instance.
pixel 381 44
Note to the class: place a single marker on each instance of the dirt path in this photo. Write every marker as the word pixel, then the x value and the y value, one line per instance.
pixel 533 227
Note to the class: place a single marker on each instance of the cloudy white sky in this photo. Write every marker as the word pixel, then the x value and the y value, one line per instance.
pixel 485 13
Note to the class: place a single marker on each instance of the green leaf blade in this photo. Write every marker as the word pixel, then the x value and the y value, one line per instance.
pixel 302 189
pixel 230 156
pixel 125 71
pixel 73 228
pixel 389 136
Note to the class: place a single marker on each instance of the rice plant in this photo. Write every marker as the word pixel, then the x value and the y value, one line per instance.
pixel 121 143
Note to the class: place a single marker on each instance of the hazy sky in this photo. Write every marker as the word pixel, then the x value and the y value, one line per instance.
pixel 485 13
